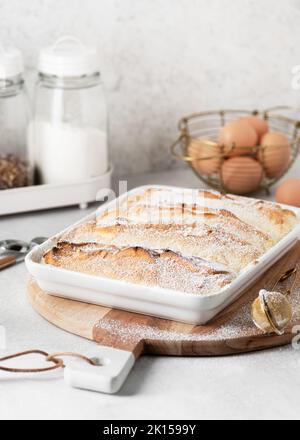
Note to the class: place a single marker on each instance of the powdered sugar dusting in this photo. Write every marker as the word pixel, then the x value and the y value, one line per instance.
pixel 151 267
pixel 239 325
pixel 231 230
pixel 187 206
pixel 197 225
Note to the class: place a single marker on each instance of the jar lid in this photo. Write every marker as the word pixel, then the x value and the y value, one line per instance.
pixel 68 57
pixel 11 63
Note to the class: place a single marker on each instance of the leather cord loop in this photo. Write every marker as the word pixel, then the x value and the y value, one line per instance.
pixel 57 363
pixel 53 358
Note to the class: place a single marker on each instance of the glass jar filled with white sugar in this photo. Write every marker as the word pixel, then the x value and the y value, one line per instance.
pixel 15 163
pixel 68 133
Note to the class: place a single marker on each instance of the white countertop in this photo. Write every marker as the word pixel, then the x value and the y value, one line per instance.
pixel 257 385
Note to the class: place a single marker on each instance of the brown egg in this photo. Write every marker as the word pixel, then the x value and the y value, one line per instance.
pixel 241 175
pixel 237 136
pixel 288 192
pixel 260 125
pixel 202 149
pixel 275 154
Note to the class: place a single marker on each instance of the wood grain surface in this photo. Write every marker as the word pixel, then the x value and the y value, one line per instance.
pixel 231 332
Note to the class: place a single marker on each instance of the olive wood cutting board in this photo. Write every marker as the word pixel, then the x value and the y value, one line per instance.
pixel 231 332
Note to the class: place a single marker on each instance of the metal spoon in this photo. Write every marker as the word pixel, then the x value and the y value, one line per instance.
pixel 13 245
pixel 15 251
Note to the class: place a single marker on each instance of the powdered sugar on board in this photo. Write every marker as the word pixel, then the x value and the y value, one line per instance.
pixel 239 325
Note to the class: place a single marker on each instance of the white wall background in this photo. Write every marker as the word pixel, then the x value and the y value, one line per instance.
pixel 162 59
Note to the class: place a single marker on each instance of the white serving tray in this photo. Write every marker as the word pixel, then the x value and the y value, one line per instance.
pixel 155 301
pixel 39 197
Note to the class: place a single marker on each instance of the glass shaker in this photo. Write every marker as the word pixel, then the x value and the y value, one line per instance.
pixel 15 161
pixel 68 133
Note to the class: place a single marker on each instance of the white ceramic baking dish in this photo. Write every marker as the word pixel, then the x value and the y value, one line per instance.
pixel 163 303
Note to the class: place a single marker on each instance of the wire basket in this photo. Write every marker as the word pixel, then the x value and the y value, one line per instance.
pixel 251 167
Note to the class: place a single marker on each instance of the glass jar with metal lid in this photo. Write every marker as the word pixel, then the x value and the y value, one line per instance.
pixel 68 133
pixel 15 160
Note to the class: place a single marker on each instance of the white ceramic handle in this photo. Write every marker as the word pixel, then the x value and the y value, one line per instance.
pixel 113 367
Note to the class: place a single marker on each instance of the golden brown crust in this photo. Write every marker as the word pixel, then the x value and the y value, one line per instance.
pixel 136 265
pixel 159 232
pixel 234 231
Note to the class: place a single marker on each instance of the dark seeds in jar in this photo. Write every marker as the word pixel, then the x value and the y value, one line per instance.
pixel 13 172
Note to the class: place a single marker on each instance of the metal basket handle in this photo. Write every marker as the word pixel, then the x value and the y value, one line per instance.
pixel 173 148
